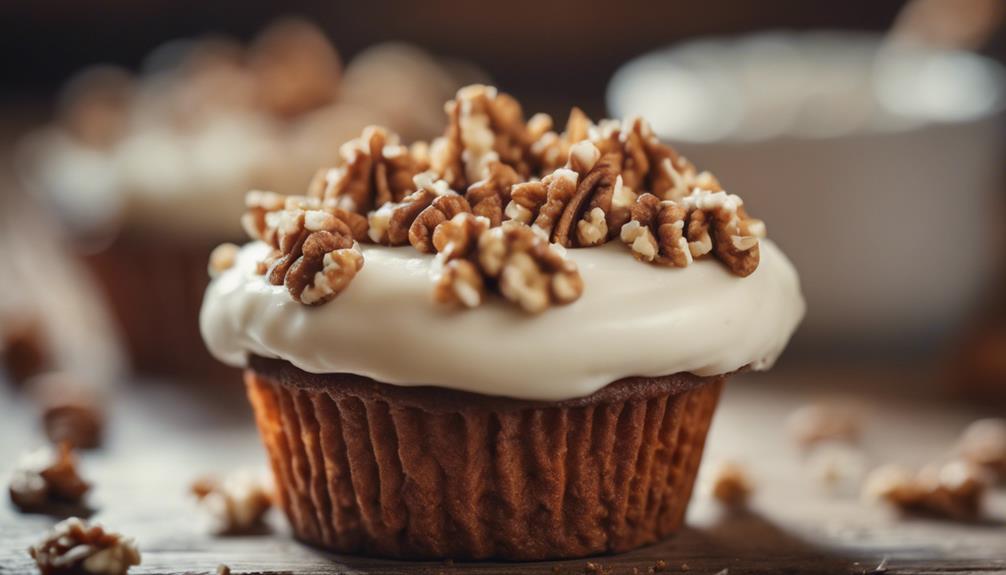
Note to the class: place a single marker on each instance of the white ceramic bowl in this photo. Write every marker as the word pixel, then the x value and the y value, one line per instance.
pixel 878 169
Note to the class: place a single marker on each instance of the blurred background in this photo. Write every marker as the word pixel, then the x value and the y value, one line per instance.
pixel 870 136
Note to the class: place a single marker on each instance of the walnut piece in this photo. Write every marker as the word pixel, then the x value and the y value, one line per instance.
pixel 47 481
pixel 392 223
pixel 74 547
pixel 984 443
pixel 315 254
pixel 954 490
pixel 574 206
pixel 512 260
pixel 824 422
pixel 24 347
pixel 72 408
pixel 376 169
pixel 730 484
pixel 490 195
pixel 484 126
pixel 234 505
pixel 674 233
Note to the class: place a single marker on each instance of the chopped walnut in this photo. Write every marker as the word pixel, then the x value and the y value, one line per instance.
pixel 490 195
pixel 730 484
pixel 825 422
pixel 260 203
pixel 655 232
pixel 72 408
pixel 984 443
pixel 391 224
pixel 484 126
pixel 511 259
pixel 237 504
pixel 549 149
pixel 24 347
pixel 76 547
pixel 442 209
pixel 574 206
pixel 315 254
pixel 674 233
pixel 376 170
pixel 954 490
pixel 47 481
pixel 222 258
pixel 839 468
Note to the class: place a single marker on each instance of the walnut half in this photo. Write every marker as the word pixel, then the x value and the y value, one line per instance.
pixel 512 260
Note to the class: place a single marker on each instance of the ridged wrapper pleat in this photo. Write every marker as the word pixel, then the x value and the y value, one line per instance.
pixel 369 468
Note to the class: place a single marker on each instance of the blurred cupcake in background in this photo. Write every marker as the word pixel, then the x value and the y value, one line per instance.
pixel 146 171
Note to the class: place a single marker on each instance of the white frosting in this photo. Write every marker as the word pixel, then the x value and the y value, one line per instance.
pixel 633 319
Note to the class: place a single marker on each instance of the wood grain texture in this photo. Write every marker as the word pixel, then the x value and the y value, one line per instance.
pixel 163 435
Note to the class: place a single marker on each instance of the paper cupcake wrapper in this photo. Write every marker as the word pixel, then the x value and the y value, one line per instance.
pixel 360 471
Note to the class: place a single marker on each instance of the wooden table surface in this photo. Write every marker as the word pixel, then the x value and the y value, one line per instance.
pixel 163 435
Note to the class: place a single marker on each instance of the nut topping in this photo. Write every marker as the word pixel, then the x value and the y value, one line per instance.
pixel 391 223
pixel 75 547
pixel 316 256
pixel 673 233
pixel 484 126
pixel 511 259
pixel 376 170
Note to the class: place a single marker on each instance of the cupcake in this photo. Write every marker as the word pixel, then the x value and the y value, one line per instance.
pixel 147 172
pixel 508 343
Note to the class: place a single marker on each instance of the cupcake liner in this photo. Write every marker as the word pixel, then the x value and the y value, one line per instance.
pixel 155 289
pixel 368 468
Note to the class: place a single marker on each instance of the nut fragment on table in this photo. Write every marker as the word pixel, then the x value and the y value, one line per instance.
pixel 954 490
pixel 74 547
pixel 823 422
pixel 23 346
pixel 235 504
pixel 838 467
pixel 71 407
pixel 984 443
pixel 730 484
pixel 47 481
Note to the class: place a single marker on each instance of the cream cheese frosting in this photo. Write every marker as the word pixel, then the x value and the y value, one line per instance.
pixel 633 319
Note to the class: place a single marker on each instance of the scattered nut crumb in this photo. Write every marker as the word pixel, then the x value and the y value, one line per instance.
pixel 74 547
pixel 953 490
pixel 23 346
pixel 71 409
pixel 236 504
pixel 838 467
pixel 223 570
pixel 819 422
pixel 984 443
pixel 730 484
pixel 47 481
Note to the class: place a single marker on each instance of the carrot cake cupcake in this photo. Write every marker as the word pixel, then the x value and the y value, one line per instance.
pixel 508 343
